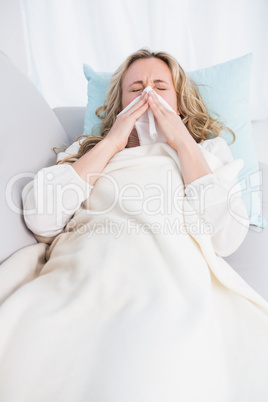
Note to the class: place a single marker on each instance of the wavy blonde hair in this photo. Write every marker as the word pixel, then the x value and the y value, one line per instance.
pixel 193 111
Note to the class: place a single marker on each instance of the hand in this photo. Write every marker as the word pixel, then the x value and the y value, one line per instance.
pixel 170 123
pixel 125 122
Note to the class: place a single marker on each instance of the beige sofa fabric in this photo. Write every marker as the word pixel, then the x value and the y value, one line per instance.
pixel 29 129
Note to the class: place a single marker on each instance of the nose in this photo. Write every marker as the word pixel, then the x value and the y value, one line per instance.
pixel 148 88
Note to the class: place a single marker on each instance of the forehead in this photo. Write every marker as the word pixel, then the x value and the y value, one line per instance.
pixel 143 69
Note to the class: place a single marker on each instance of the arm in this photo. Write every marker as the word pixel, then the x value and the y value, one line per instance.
pixel 213 190
pixel 216 198
pixel 179 138
pixel 51 199
pixel 56 193
pixel 92 163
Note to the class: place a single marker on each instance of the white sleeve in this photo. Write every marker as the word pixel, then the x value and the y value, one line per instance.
pixel 72 149
pixel 216 198
pixel 54 195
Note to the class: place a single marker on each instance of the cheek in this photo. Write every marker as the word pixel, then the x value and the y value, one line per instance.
pixel 128 98
pixel 170 98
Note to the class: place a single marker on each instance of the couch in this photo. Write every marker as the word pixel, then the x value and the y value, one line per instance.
pixel 30 129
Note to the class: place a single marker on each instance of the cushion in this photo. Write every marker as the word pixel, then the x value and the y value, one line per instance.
pixel 225 89
pixel 29 129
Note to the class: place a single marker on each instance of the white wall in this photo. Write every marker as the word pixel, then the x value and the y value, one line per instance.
pixel 12 34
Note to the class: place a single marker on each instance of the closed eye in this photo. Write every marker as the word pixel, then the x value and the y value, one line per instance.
pixel 138 90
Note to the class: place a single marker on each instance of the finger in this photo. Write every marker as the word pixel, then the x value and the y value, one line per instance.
pixel 143 99
pixel 139 112
pixel 155 109
pixel 156 101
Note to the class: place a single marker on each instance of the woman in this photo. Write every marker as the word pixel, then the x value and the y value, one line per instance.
pixel 192 124
pixel 134 302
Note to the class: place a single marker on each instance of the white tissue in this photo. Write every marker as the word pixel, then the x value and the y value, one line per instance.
pixel 146 126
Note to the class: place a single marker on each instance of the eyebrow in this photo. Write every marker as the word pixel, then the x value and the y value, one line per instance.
pixel 158 81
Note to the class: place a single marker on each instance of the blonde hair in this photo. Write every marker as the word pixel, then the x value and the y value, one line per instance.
pixel 193 111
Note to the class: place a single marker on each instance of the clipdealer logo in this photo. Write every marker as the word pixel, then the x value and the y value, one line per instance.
pixel 131 199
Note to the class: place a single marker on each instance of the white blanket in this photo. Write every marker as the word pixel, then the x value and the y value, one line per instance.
pixel 130 306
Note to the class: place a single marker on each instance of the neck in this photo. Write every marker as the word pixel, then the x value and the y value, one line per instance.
pixel 133 140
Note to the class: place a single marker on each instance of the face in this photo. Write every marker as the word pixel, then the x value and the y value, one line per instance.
pixel 144 72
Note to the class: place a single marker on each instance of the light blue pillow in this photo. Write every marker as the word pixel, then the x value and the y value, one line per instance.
pixel 225 90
